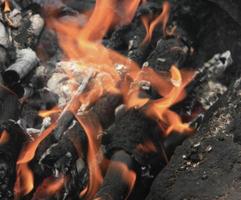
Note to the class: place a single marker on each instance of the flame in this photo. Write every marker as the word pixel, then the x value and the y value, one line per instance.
pixel 28 151
pixel 6 6
pixel 49 187
pixel 162 18
pixel 47 113
pixel 24 182
pixel 160 109
pixel 4 137
pixel 128 175
pixel 92 129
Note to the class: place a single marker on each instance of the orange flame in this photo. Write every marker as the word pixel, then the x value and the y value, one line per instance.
pixel 150 26
pixel 159 109
pixel 28 151
pixel 49 187
pixel 47 113
pixel 92 129
pixel 4 137
pixel 6 6
pixel 24 182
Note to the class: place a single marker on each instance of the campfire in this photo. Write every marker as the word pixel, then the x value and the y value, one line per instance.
pixel 120 99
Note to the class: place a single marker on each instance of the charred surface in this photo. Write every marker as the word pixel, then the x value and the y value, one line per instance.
pixel 209 159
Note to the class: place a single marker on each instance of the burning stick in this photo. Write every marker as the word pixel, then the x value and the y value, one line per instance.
pixel 74 103
pixel 26 61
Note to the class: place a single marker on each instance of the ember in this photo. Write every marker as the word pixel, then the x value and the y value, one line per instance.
pixel 97 94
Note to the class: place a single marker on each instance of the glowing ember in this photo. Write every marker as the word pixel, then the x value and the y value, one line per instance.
pixel 4 137
pixel 6 6
pixel 49 187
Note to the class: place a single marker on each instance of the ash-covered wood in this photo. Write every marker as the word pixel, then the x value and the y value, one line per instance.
pixel 207 165
pixel 25 62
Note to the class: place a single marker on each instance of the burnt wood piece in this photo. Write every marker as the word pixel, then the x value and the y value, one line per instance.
pixel 205 88
pixel 61 156
pixel 131 136
pixel 168 52
pixel 115 184
pixel 26 61
pixel 209 159
pixel 9 105
pixel 9 151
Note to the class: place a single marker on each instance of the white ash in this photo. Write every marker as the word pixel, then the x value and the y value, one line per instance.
pixel 68 76
pixel 14 18
pixel 211 89
pixel 210 93
pixel 37 24
pixel 4 37
pixel 217 65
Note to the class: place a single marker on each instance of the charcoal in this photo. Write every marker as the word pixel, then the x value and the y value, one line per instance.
pixel 60 156
pixel 26 61
pixel 28 31
pixel 43 100
pixel 10 106
pixel 121 135
pixel 9 151
pixel 210 158
pixel 105 107
pixel 167 53
pixel 115 185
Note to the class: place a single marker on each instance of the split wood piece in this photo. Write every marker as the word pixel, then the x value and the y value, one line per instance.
pixel 12 139
pixel 209 159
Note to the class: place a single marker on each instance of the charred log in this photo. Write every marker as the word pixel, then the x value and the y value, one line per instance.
pixel 210 158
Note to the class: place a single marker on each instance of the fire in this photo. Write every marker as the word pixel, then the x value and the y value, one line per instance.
pixel 25 181
pixel 47 113
pixel 81 42
pixel 29 149
pixel 160 109
pixel 92 129
pixel 4 137
pixel 6 6
pixel 151 25
pixel 49 187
